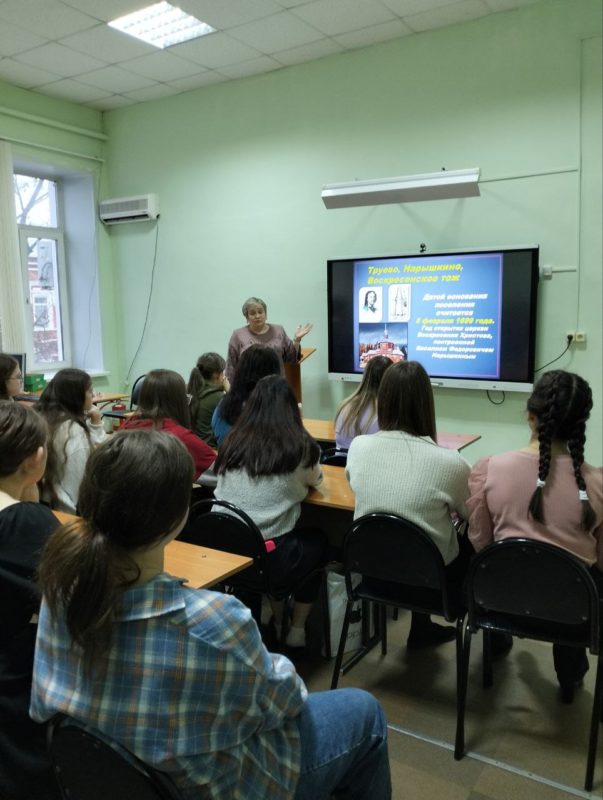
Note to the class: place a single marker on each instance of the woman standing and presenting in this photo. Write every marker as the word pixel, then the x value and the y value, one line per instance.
pixel 266 467
pixel 401 470
pixel 25 771
pixel 259 331
pixel 358 414
pixel 547 492
pixel 11 379
pixel 177 675
pixel 163 405
pixel 75 427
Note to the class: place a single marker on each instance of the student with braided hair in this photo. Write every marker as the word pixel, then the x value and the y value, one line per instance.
pixel 546 491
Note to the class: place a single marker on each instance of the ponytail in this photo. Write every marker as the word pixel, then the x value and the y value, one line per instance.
pixel 82 572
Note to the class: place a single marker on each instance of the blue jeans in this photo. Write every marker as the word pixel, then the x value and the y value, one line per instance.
pixel 343 747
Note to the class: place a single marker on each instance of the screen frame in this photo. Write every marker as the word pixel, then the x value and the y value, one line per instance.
pixel 502 384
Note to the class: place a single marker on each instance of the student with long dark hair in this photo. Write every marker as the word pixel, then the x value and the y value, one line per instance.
pixel 401 470
pixel 178 675
pixel 206 386
pixel 163 405
pixel 255 362
pixel 25 770
pixel 266 467
pixel 11 380
pixel 546 491
pixel 75 427
pixel 357 414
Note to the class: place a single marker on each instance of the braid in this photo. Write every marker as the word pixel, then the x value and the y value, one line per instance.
pixel 575 446
pixel 546 428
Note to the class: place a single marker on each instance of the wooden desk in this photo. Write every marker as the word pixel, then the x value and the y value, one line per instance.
pixel 323 430
pixel 200 566
pixel 335 491
pixel 101 398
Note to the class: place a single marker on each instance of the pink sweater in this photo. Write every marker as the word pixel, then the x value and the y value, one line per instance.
pixel 500 488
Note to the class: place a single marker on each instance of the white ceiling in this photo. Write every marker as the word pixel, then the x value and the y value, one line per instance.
pixel 65 49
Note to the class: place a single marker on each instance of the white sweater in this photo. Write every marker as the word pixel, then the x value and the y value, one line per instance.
pixel 411 476
pixel 272 501
pixel 72 449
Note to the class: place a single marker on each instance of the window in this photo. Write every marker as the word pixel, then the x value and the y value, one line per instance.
pixel 56 219
pixel 44 270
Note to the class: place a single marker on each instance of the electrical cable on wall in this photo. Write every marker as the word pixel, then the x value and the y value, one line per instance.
pixel 146 318
pixel 570 339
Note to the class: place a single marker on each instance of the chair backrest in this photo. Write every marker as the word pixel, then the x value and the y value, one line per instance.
pixel 334 457
pixel 533 585
pixel 230 530
pixel 89 768
pixel 137 386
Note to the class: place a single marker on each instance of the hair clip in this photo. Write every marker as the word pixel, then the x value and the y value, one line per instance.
pixel 540 484
pixel 582 494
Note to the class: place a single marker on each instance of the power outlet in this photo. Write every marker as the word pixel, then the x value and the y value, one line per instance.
pixel 577 337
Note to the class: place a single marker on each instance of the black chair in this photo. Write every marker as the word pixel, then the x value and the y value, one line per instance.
pixel 233 531
pixel 88 768
pixel 400 566
pixel 533 590
pixel 135 394
pixel 334 457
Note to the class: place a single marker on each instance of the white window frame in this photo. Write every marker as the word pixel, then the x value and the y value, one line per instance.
pixel 56 234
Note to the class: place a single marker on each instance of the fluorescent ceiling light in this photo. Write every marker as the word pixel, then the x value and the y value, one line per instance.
pixel 406 189
pixel 161 25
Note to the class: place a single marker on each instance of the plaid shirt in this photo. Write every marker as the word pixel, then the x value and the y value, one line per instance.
pixel 187 686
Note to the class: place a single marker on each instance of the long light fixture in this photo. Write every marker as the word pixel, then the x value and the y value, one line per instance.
pixel 161 25
pixel 406 189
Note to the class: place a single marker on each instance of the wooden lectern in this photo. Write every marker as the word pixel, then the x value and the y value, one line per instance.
pixel 293 372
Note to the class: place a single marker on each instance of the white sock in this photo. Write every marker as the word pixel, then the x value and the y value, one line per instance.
pixel 296 637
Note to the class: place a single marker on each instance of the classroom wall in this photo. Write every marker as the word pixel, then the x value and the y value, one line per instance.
pixel 238 168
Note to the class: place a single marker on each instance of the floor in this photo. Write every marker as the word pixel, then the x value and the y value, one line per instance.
pixel 521 741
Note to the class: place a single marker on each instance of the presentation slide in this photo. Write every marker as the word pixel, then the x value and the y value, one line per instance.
pixel 445 313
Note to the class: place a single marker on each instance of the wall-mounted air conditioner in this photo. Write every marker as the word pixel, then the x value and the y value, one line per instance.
pixel 129 209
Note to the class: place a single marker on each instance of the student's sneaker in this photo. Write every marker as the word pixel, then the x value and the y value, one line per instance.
pixel 296 637
pixel 430 635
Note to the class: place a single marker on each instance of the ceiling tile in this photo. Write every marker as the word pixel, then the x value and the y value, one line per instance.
pixel 293 3
pixel 72 90
pixel 278 32
pixel 253 67
pixel 507 5
pixel 111 102
pixel 375 34
pixel 108 44
pixel 220 14
pixel 197 81
pixel 115 79
pixel 308 52
pixel 216 50
pixel 15 40
pixel 462 11
pixel 107 9
pixel 50 18
pixel 60 60
pixel 153 92
pixel 340 16
pixel 23 75
pixel 161 66
pixel 405 7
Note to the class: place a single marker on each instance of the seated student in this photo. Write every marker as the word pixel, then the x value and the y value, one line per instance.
pixel 207 386
pixel 11 380
pixel 163 405
pixel 24 528
pixel 178 675
pixel 254 363
pixel 546 491
pixel 358 413
pixel 401 470
pixel 265 467
pixel 75 427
